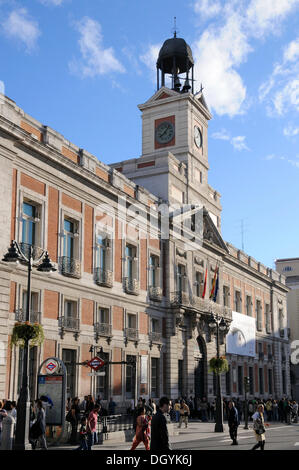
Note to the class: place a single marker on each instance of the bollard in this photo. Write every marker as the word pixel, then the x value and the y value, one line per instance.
pixel 8 429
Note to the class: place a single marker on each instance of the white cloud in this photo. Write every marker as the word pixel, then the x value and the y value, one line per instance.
pixel 281 90
pixel 95 59
pixel 221 135
pixel 207 8
pixel 221 49
pixel 291 131
pixel 237 142
pixel 20 26
pixel 263 16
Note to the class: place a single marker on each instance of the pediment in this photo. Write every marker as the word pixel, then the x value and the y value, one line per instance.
pixel 162 93
pixel 211 233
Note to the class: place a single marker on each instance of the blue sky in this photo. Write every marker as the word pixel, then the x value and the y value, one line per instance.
pixel 82 66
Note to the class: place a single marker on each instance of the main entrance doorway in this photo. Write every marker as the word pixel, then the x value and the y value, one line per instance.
pixel 200 372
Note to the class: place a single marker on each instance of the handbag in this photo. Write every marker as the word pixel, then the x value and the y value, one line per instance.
pixel 69 417
pixel 35 430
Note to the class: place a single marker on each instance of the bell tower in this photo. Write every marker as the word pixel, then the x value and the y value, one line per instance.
pixel 174 161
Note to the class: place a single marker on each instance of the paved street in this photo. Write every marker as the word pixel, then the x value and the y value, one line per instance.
pixel 201 436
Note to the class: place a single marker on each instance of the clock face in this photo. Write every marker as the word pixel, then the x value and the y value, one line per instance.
pixel 164 132
pixel 197 137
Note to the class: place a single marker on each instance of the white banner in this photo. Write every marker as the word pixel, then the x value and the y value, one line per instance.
pixel 143 369
pixel 241 336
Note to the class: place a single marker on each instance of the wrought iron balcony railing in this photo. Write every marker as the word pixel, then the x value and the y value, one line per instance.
pixel 155 337
pixel 34 317
pixel 70 267
pixel 104 277
pixel 205 306
pixel 131 334
pixel 37 251
pixel 131 286
pixel 155 293
pixel 103 329
pixel 69 323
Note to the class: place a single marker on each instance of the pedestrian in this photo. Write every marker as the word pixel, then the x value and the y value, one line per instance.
pixel 295 412
pixel 38 429
pixel 233 422
pixel 83 434
pixel 203 409
pixel 74 418
pixel 92 426
pixel 269 410
pixel 177 411
pixel 90 404
pixel 184 413
pixel 159 434
pixel 259 428
pixel 142 430
pixel 152 405
pixel 111 406
pixel 212 408
pixel 3 414
pixel 288 411
pixel 275 410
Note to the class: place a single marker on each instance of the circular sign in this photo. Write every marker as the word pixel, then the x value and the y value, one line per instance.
pixel 51 366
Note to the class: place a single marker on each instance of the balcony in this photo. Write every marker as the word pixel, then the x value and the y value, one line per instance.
pixel 155 293
pixel 69 324
pixel 70 267
pixel 34 317
pixel 208 307
pixel 104 277
pixel 131 286
pixel 36 250
pixel 281 332
pixel 181 299
pixel 155 337
pixel 103 329
pixel 261 356
pixel 131 334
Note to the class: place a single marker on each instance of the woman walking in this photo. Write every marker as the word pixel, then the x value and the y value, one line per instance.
pixel 259 428
pixel 38 429
pixel 142 430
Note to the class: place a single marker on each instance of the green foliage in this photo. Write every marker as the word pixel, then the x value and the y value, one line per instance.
pixel 33 332
pixel 218 366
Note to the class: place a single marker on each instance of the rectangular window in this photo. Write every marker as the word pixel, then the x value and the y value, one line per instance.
pixel 259 325
pixel 131 262
pixel 153 271
pixel 155 377
pixel 70 309
pixel 68 245
pixel 199 284
pixel 101 252
pixel 102 381
pixel 103 315
pixel 69 359
pixel 180 381
pixel 240 380
pixel 248 305
pixel 29 221
pixel 251 381
pixel 181 278
pixel 130 376
pixel 270 381
pixel 226 296
pixel 132 321
pixel 238 305
pixel 261 381
pixel 155 325
pixel 228 382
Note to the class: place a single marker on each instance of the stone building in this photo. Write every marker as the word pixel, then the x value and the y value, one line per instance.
pixel 289 267
pixel 123 284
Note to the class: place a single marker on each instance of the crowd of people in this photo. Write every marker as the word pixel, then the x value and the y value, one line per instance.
pixel 84 415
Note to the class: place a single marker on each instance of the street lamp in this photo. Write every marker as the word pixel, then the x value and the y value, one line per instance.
pixel 43 264
pixel 219 324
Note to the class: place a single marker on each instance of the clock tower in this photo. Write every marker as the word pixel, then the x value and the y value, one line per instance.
pixel 174 161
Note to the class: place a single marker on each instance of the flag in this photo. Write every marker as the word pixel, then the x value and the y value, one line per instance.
pixel 205 284
pixel 216 287
pixel 214 283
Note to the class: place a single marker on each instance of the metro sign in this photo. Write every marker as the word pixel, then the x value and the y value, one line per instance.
pixel 51 366
pixel 96 363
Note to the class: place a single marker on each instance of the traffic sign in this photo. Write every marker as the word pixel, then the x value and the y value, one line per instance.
pixel 51 366
pixel 95 363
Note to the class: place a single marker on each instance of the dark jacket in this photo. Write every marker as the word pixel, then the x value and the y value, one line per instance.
pixel 159 433
pixel 233 419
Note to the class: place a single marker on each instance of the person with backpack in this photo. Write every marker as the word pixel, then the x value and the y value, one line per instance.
pixel 142 430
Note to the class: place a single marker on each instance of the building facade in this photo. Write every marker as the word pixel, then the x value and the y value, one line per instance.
pixel 289 267
pixel 125 282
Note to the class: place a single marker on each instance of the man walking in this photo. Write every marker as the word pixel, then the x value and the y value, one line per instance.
pixel 159 434
pixel 233 422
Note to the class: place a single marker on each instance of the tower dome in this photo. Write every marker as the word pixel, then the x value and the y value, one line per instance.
pixel 175 58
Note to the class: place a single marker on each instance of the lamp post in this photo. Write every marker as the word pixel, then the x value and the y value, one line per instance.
pixel 43 264
pixel 219 324
pixel 246 386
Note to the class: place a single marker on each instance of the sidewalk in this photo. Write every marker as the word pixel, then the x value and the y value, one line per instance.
pixel 195 431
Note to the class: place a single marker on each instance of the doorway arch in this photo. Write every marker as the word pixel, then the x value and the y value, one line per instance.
pixel 200 370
